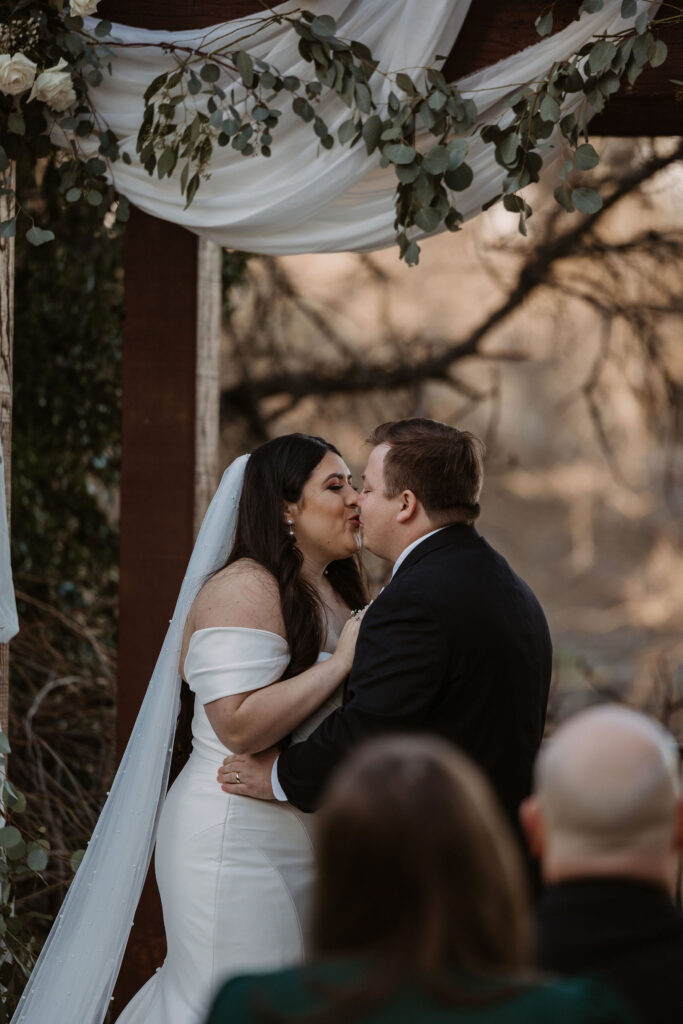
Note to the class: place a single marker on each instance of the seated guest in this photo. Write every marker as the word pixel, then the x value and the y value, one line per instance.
pixel 420 911
pixel 606 821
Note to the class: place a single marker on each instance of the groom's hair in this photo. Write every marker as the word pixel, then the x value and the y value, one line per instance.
pixel 442 466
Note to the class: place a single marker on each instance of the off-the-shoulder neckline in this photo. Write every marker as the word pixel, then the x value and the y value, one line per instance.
pixel 234 629
pixel 229 629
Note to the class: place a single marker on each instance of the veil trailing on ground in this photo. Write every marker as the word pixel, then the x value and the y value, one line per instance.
pixel 76 971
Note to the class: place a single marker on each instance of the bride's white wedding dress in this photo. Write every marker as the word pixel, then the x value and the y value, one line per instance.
pixel 234 873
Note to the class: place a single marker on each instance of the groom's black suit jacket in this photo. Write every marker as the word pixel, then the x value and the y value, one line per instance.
pixel 456 644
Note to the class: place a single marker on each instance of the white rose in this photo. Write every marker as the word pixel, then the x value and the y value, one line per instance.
pixel 54 87
pixel 16 73
pixel 81 8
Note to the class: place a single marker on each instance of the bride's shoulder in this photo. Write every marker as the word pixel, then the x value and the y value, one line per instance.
pixel 243 594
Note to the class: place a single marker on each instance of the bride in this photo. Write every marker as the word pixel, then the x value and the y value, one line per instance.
pixel 266 638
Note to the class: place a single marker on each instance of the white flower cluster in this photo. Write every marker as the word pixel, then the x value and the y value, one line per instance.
pixel 52 86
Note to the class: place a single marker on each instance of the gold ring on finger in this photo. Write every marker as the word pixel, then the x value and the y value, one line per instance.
pixel 237 778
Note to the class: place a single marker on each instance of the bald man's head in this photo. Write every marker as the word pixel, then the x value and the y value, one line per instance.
pixel 606 791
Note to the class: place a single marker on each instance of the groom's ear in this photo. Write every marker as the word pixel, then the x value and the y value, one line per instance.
pixel 409 506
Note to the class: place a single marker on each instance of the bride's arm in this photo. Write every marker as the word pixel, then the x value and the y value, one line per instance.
pixel 251 721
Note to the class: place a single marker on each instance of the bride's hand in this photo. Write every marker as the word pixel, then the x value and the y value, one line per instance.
pixel 346 645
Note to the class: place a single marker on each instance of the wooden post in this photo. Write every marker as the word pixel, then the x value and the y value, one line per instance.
pixel 170 447
pixel 207 402
pixel 6 354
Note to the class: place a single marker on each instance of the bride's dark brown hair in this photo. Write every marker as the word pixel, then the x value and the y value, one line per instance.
pixel 276 473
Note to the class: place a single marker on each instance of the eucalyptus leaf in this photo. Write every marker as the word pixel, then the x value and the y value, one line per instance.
pixel 303 108
pixel 346 131
pixel 399 154
pixel 412 254
pixel 95 166
pixel 587 200
pixel 544 23
pixel 642 22
pixel 659 53
pixel 436 160
pixel 210 73
pixel 76 859
pixel 37 860
pixel 549 109
pixel 37 236
pixel 513 203
pixel 643 47
pixel 457 150
pixel 437 101
pixel 363 98
pixel 629 8
pixel 245 66
pixel 428 219
pixel 405 83
pixel 371 132
pixel 10 836
pixel 563 196
pixel 601 56
pixel 123 210
pixel 585 158
pixel 459 178
pixel 324 26
pixel 407 173
pixel 8 229
pixel 508 148
pixel 453 220
pixel 5 747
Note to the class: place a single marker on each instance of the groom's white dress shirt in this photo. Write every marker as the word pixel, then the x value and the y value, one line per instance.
pixel 278 791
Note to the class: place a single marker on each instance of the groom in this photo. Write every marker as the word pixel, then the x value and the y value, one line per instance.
pixel 456 644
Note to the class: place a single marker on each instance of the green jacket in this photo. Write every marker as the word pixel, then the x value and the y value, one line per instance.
pixel 290 994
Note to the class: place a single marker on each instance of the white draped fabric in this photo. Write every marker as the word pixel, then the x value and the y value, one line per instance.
pixel 304 198
pixel 9 625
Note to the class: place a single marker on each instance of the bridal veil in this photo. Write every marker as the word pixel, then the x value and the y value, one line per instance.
pixel 75 974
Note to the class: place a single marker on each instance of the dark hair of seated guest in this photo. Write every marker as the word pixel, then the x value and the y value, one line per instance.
pixel 418 876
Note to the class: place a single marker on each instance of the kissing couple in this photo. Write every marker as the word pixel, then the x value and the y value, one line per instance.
pixel 292 668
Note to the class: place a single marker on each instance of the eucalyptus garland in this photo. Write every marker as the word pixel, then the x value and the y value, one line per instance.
pixel 188 113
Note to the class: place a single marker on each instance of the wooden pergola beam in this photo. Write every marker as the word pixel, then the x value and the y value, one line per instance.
pixel 493 29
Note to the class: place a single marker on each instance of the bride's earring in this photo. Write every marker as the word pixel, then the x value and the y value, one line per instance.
pixel 290 524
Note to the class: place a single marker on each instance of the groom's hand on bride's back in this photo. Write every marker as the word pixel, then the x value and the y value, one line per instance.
pixel 248 774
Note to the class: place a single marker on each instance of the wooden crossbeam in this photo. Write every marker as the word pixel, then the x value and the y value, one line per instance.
pixel 493 29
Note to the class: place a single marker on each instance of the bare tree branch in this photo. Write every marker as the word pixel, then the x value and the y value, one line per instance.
pixel 357 376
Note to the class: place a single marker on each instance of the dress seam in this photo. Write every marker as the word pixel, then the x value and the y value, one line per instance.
pixel 219 877
pixel 287 890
